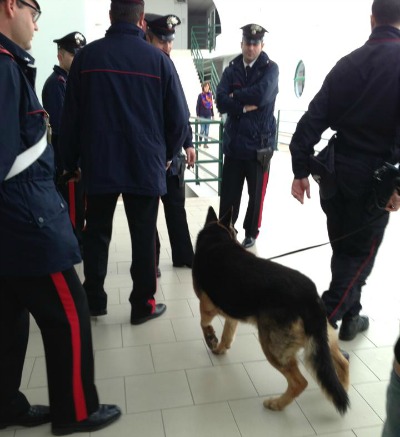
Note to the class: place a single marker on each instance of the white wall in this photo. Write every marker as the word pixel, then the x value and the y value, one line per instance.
pixel 318 32
pixel 90 17
pixel 59 17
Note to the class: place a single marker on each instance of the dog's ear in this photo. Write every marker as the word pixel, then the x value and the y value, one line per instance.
pixel 226 219
pixel 211 216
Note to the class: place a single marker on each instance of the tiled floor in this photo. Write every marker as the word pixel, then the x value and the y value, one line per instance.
pixel 167 382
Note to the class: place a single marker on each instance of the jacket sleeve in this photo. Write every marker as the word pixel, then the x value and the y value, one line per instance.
pixel 188 141
pixel 198 105
pixel 176 112
pixel 225 103
pixel 53 94
pixel 10 96
pixel 70 120
pixel 309 130
pixel 263 92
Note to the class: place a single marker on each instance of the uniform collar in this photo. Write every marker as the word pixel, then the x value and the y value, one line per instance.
pixel 251 63
pixel 125 28
pixel 262 60
pixel 58 70
pixel 384 32
pixel 20 55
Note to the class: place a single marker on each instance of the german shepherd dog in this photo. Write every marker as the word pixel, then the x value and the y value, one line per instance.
pixel 281 302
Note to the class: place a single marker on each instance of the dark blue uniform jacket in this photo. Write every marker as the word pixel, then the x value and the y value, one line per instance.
pixel 53 95
pixel 244 133
pixel 36 237
pixel 360 99
pixel 123 141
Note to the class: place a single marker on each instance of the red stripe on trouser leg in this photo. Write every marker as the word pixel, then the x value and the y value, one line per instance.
pixel 263 191
pixel 152 302
pixel 352 282
pixel 68 304
pixel 72 206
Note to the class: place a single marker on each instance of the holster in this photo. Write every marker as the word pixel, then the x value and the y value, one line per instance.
pixel 322 169
pixel 181 165
pixel 386 179
pixel 264 158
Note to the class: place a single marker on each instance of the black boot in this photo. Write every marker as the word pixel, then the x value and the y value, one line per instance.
pixel 352 326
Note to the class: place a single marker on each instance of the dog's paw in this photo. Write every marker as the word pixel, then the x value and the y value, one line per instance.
pixel 273 404
pixel 210 337
pixel 220 349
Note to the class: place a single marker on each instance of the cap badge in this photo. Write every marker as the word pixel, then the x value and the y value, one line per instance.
pixel 255 28
pixel 172 21
pixel 79 38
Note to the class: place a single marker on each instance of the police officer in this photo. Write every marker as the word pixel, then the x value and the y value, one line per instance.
pixel 38 251
pixel 247 93
pixel 53 95
pixel 125 117
pixel 160 32
pixel 359 99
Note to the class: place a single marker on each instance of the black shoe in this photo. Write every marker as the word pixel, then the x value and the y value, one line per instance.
pixel 101 418
pixel 36 415
pixel 248 242
pixel 159 309
pixel 352 326
pixel 158 272
pixel 97 313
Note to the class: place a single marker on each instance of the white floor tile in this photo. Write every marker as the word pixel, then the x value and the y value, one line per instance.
pixel 132 425
pixel 244 348
pixel 169 384
pixel 324 419
pixel 221 383
pixel 158 331
pixel 211 420
pixel 123 362
pixel 179 356
pixel 157 391
pixel 254 420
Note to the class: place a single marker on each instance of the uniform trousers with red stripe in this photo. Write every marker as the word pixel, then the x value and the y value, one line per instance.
pixel 234 173
pixel 73 193
pixel 141 213
pixel 59 306
pixel 352 257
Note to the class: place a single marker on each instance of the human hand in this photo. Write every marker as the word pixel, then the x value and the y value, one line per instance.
pixel 394 202
pixel 249 108
pixel 69 176
pixel 299 186
pixel 190 156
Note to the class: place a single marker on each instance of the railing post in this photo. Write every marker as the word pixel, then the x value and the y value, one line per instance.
pixel 278 119
pixel 220 156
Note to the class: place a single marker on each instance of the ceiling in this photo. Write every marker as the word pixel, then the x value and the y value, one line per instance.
pixel 199 6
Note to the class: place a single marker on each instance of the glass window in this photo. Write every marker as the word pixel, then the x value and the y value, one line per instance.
pixel 299 79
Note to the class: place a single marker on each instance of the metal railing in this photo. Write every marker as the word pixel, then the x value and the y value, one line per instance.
pixel 205 67
pixel 286 122
pixel 208 166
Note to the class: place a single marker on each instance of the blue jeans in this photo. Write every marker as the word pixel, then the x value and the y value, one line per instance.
pixel 392 423
pixel 204 130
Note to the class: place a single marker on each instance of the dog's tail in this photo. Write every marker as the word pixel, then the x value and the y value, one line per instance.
pixel 329 366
